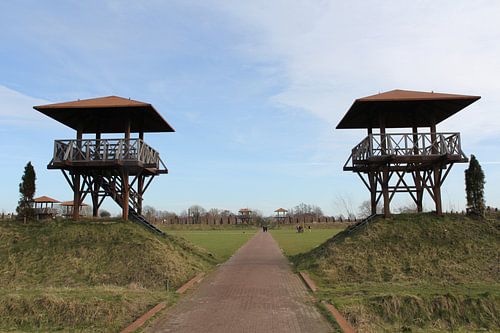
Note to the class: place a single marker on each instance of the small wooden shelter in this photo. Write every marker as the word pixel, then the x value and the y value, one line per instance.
pixel 69 208
pixel 281 214
pixel 245 216
pixel 411 162
pixel 44 207
pixel 119 168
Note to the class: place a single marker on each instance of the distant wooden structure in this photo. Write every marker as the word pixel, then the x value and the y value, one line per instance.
pixel 411 162
pixel 281 214
pixel 69 209
pixel 119 168
pixel 44 207
pixel 245 216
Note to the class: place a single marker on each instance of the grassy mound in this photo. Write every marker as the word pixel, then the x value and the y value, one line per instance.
pixel 413 272
pixel 409 247
pixel 83 274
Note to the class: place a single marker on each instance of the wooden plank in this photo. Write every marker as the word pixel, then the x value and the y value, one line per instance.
pixel 142 319
pixel 345 326
pixel 308 281
pixel 191 283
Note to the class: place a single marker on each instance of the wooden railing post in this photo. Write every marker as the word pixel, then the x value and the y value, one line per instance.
pixel 55 150
pixel 119 150
pixel 443 146
pixel 370 145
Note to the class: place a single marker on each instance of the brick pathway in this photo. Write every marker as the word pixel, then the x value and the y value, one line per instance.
pixel 255 291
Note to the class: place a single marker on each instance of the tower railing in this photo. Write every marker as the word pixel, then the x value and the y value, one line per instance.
pixel 45 211
pixel 406 144
pixel 105 150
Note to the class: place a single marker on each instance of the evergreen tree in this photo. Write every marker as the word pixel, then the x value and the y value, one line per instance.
pixel 27 192
pixel 474 187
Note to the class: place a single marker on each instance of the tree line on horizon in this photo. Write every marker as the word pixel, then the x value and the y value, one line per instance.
pixel 196 212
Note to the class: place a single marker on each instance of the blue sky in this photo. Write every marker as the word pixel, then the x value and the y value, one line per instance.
pixel 253 88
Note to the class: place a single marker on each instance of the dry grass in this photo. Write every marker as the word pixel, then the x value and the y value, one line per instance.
pixel 96 309
pixel 72 254
pixel 88 276
pixel 413 273
pixel 455 249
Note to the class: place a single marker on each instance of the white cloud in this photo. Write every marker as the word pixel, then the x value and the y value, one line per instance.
pixel 327 53
pixel 332 52
pixel 16 109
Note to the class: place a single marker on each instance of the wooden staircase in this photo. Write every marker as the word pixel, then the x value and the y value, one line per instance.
pixel 355 226
pixel 114 192
pixel 136 217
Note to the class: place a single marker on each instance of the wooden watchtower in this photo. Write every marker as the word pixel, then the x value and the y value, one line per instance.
pixel 44 207
pixel 119 167
pixel 412 162
pixel 68 209
pixel 281 215
pixel 245 216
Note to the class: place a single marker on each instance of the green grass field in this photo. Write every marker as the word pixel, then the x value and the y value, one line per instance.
pixel 221 243
pixel 294 243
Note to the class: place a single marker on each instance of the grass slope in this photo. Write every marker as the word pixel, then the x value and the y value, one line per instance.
pixel 94 276
pixel 413 272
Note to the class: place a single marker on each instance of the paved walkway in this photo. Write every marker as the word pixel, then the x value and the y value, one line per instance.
pixel 254 291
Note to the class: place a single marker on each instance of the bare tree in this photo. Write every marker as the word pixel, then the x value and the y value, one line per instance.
pixel 149 212
pixel 164 215
pixel 344 205
pixel 256 213
pixel 365 209
pixel 226 212
pixel 196 211
pixel 303 209
pixel 215 212
pixel 257 217
pixel 317 211
pixel 408 208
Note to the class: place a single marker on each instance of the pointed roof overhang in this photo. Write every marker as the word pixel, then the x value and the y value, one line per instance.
pixel 404 108
pixel 109 114
pixel 45 199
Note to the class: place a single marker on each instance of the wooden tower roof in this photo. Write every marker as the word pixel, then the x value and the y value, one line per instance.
pixel 404 108
pixel 109 114
pixel 45 199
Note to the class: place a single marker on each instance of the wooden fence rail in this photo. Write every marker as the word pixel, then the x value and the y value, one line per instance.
pixel 233 219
